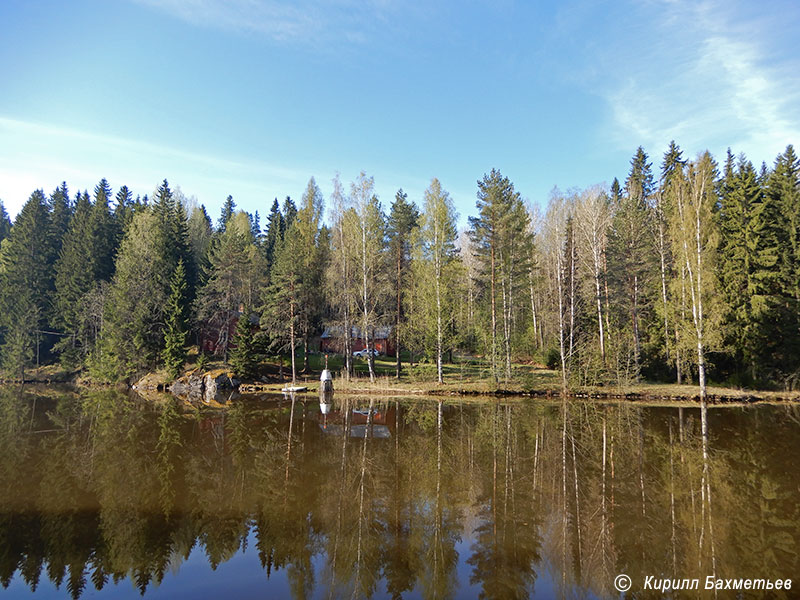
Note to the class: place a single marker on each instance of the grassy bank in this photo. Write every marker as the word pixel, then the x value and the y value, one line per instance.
pixel 465 376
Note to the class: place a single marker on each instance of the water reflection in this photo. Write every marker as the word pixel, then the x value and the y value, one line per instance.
pixel 383 498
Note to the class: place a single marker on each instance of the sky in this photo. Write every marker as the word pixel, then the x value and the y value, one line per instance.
pixel 253 97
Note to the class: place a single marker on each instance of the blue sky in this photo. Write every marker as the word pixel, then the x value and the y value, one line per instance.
pixel 253 97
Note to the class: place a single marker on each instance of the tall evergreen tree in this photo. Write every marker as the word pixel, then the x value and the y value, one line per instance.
pixel 174 352
pixel 255 226
pixel 102 232
pixel 5 222
pixel 280 313
pixel 132 337
pixel 274 233
pixel 289 212
pixel 747 268
pixel 61 212
pixel 75 275
pixel 243 357
pixel 26 283
pixel 629 253
pixel 124 208
pixel 228 208
pixel 235 277
pixel 783 191
pixel 500 233
pixel 402 220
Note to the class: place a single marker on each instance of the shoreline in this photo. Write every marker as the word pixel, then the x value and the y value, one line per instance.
pixel 645 392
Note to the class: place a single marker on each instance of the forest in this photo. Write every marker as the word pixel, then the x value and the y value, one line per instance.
pixel 686 271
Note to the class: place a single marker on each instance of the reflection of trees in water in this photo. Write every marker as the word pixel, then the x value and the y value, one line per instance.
pixel 113 488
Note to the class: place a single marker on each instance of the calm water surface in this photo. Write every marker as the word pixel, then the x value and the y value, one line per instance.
pixel 107 495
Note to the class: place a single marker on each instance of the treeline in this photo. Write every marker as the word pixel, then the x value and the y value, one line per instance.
pixel 682 271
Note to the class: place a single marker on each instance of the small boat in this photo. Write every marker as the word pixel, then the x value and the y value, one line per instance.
pixel 294 388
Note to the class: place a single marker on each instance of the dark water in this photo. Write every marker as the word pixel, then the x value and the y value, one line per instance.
pixel 105 495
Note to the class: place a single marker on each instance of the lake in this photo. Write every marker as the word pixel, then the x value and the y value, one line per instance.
pixel 104 494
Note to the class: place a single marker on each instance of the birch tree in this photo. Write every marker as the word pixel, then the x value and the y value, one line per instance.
pixel 553 234
pixel 694 241
pixel 371 232
pixel 437 252
pixel 342 285
pixel 593 217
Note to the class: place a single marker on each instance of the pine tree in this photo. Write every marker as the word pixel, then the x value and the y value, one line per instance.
pixel 228 208
pixel 174 352
pixel 401 222
pixel 501 234
pixel 243 356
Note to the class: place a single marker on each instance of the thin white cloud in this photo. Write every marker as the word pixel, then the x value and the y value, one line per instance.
pixel 712 82
pixel 40 155
pixel 304 21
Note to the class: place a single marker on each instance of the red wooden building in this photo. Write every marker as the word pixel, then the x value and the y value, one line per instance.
pixel 332 340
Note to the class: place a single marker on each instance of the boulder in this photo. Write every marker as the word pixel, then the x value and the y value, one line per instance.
pixel 190 385
pixel 217 382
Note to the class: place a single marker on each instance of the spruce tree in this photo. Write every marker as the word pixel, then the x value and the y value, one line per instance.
pixel 630 256
pixel 748 254
pixel 255 226
pixel 74 277
pixel 783 191
pixel 274 233
pixel 123 211
pixel 5 222
pixel 103 239
pixel 228 208
pixel 26 282
pixel 289 213
pixel 243 357
pixel 132 337
pixel 60 214
pixel 175 331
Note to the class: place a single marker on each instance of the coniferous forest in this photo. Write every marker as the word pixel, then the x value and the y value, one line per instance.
pixel 686 269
